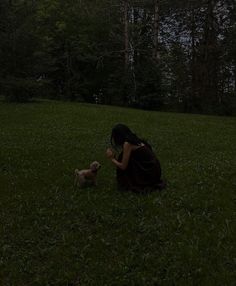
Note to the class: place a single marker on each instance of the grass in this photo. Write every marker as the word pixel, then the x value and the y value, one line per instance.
pixel 53 235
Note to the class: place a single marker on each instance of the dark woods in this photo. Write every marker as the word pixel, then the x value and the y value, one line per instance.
pixel 154 54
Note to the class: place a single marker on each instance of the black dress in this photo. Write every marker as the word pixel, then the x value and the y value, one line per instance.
pixel 143 173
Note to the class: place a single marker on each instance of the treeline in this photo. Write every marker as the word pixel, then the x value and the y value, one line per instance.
pixel 153 54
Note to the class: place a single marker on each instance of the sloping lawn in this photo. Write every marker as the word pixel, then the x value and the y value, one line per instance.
pixel 53 235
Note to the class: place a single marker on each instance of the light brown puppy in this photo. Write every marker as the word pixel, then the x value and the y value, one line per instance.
pixel 87 177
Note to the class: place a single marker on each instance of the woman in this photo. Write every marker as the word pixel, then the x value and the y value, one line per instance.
pixel 138 169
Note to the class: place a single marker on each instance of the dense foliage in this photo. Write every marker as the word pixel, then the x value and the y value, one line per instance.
pixel 148 53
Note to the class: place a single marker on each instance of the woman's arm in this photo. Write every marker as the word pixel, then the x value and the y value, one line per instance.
pixel 127 148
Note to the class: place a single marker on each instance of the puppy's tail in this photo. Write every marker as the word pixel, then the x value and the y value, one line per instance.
pixel 76 173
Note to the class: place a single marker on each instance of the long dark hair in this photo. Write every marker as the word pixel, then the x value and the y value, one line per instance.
pixel 121 134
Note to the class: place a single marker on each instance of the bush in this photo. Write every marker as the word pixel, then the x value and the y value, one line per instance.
pixel 23 89
pixel 227 106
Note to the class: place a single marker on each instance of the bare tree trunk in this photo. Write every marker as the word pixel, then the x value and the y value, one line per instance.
pixel 210 64
pixel 235 79
pixel 126 33
pixel 68 90
pixel 193 56
pixel 156 53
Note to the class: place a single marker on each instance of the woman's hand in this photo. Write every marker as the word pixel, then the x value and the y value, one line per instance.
pixel 110 154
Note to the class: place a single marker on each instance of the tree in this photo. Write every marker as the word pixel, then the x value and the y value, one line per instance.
pixel 143 53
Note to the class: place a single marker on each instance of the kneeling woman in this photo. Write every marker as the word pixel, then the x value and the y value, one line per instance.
pixel 138 169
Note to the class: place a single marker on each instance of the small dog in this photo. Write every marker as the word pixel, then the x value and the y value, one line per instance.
pixel 85 178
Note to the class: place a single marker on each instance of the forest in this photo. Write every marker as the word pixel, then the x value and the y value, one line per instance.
pixel 170 55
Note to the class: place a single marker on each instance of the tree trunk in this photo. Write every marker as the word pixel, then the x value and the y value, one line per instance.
pixel 193 57
pixel 210 58
pixel 235 80
pixel 156 53
pixel 69 94
pixel 126 33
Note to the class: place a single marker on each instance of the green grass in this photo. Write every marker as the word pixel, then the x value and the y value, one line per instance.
pixel 53 235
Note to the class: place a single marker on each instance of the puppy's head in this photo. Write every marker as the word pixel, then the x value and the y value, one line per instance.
pixel 95 166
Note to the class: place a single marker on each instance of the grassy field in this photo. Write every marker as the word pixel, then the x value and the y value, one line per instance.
pixel 53 235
